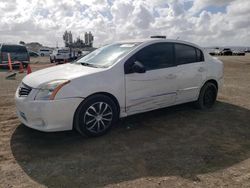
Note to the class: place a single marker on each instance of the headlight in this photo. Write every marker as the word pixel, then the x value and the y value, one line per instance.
pixel 49 90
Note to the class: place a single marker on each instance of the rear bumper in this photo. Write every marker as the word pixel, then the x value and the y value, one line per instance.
pixel 47 116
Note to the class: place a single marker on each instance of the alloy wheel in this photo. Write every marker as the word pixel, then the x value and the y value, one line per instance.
pixel 98 117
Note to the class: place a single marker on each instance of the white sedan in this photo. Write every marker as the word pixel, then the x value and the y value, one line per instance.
pixel 116 81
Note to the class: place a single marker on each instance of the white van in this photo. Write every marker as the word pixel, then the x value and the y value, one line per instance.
pixel 44 52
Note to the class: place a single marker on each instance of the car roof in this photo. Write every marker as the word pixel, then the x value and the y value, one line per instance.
pixel 2 45
pixel 10 44
pixel 150 40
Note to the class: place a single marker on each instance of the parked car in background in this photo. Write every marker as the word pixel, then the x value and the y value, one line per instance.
pixel 33 54
pixel 17 53
pixel 59 55
pixel 213 52
pixel 247 50
pixel 44 52
pixel 238 53
pixel 226 51
pixel 115 81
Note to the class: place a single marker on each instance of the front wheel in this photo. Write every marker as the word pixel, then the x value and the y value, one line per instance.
pixel 96 115
pixel 207 96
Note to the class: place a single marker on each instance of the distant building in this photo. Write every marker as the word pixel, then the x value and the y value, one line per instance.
pixel 68 38
pixel 78 43
pixel 89 39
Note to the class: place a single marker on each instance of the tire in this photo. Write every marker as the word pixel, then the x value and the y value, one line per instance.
pixel 51 60
pixel 42 54
pixel 207 96
pixel 96 115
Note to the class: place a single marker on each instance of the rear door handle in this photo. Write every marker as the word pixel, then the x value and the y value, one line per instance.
pixel 171 76
pixel 201 69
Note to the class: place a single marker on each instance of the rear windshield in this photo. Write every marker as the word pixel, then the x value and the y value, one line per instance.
pixel 13 48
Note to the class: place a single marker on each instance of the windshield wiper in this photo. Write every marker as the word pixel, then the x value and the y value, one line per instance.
pixel 89 64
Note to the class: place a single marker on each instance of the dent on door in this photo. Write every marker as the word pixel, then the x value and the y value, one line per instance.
pixel 190 77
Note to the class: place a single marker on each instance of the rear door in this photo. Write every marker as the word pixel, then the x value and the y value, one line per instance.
pixel 191 72
pixel 17 53
pixel 63 54
pixel 156 87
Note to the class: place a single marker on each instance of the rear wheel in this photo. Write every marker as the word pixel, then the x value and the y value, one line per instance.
pixel 207 96
pixel 96 115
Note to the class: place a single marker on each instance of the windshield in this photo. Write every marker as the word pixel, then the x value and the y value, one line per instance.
pixel 107 55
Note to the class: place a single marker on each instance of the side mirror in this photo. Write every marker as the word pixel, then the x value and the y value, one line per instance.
pixel 138 67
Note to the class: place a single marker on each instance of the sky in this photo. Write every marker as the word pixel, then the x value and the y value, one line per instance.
pixel 204 22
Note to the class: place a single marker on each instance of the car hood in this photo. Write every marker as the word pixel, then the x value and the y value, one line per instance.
pixel 67 71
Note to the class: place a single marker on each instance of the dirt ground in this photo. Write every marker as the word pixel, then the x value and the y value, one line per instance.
pixel 173 147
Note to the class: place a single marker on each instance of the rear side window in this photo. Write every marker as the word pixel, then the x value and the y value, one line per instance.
pixel 156 56
pixel 187 54
pixel 200 56
pixel 14 48
pixel 184 54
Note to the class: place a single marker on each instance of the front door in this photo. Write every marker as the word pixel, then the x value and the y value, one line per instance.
pixel 156 87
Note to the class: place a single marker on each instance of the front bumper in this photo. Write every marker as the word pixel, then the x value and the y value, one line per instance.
pixel 47 116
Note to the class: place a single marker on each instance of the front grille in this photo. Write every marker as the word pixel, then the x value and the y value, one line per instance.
pixel 24 90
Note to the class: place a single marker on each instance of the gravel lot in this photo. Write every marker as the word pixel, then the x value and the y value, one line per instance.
pixel 173 147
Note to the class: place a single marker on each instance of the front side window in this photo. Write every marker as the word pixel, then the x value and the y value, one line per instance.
pixel 156 56
pixel 107 55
